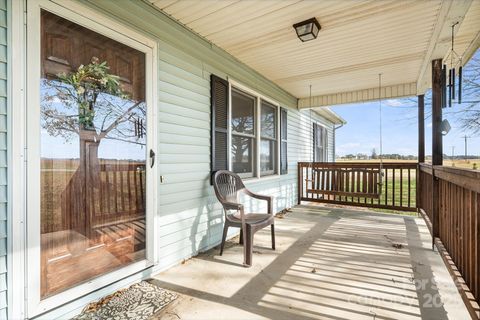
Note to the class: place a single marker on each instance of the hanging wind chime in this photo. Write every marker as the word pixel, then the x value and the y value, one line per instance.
pixel 449 90
pixel 139 128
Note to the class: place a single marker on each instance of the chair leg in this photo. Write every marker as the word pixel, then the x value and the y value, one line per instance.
pixel 224 237
pixel 248 248
pixel 241 236
pixel 273 236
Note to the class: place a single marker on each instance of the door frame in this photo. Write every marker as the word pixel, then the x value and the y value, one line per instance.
pixel 27 183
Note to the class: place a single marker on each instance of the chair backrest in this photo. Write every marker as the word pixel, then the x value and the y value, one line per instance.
pixel 227 186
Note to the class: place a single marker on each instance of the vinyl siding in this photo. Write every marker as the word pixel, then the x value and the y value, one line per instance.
pixel 190 217
pixel 3 159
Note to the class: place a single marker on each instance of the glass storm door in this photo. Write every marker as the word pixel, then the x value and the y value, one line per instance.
pixel 93 155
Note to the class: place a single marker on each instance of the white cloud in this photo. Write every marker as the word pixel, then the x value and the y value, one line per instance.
pixel 394 103
pixel 429 125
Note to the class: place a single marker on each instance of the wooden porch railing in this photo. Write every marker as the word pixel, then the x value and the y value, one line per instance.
pixel 425 193
pixel 121 193
pixel 393 186
pixel 456 225
pixel 118 196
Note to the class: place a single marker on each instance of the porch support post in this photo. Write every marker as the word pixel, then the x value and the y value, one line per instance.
pixel 421 128
pixel 421 146
pixel 437 145
pixel 437 139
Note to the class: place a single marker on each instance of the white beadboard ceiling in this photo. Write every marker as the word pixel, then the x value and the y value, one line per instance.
pixel 359 39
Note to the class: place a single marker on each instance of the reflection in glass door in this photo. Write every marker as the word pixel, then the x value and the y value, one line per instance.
pixel 93 155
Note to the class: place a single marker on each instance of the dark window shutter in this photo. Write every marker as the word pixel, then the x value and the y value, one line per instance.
pixel 283 141
pixel 219 121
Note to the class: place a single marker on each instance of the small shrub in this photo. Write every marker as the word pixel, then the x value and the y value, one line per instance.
pixel 475 167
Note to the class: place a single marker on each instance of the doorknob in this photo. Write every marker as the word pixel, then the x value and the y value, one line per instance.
pixel 152 158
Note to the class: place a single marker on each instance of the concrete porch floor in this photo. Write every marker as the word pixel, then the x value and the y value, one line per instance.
pixel 330 263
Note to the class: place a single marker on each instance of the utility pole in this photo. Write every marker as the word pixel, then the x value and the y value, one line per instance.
pixel 453 152
pixel 466 149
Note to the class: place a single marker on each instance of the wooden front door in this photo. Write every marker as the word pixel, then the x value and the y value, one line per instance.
pixel 93 154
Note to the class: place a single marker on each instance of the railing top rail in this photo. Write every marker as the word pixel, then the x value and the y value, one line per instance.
pixel 426 167
pixel 459 171
pixel 365 165
pixel 121 167
pixel 465 178
pixel 425 164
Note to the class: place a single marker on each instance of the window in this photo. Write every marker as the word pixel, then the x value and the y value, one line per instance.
pixel 249 131
pixel 283 141
pixel 268 139
pixel 254 140
pixel 319 143
pixel 243 134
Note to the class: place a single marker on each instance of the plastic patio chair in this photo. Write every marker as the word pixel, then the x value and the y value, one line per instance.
pixel 228 186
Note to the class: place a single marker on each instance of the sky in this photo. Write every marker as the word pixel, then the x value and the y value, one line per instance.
pixel 400 128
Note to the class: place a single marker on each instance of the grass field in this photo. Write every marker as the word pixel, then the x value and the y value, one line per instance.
pixel 465 164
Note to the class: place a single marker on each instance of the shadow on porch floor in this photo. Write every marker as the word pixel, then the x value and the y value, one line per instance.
pixel 330 263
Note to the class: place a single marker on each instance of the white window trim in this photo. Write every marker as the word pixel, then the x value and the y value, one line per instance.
pixel 238 85
pixel 16 163
pixel 254 136
pixel 21 120
pixel 325 146
pixel 276 139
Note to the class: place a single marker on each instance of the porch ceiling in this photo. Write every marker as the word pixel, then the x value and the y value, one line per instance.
pixel 358 40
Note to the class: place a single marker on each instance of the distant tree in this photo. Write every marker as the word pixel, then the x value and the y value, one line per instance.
pixel 362 156
pixel 470 117
pixel 374 154
pixel 94 104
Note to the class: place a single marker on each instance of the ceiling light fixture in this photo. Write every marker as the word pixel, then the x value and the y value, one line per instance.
pixel 307 30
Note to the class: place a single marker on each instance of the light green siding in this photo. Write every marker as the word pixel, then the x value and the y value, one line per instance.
pixel 3 159
pixel 190 217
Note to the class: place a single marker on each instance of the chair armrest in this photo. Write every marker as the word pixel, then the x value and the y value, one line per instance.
pixel 232 206
pixel 269 199
pixel 260 196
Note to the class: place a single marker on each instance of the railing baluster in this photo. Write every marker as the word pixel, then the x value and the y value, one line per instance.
pixel 129 188
pixel 401 187
pixel 409 186
pixel 393 187
pixel 107 191
pixel 385 186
